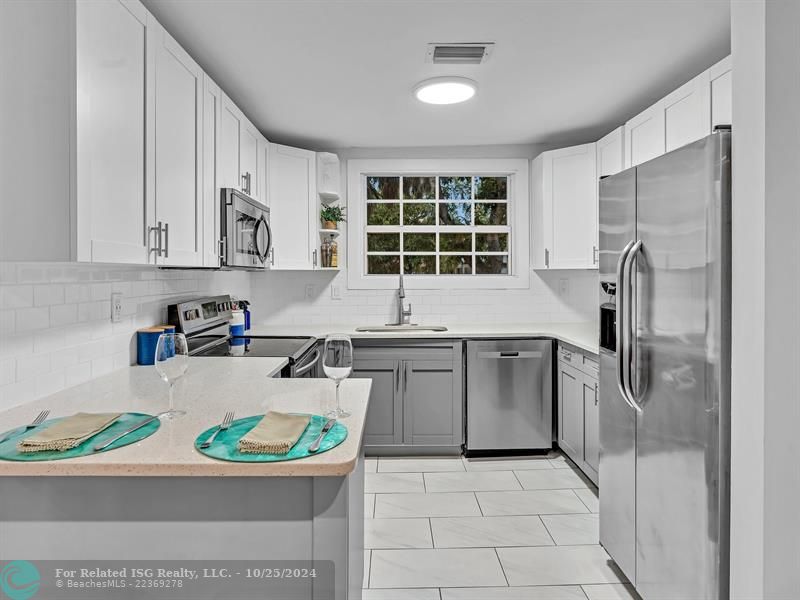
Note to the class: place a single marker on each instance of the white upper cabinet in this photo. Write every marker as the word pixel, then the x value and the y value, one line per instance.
pixel 262 170
pixel 112 210
pixel 250 137
pixel 721 90
pixel 175 150
pixel 687 114
pixel 293 206
pixel 565 208
pixel 239 153
pixel 611 153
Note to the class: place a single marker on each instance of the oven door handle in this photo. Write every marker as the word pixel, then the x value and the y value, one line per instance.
pixel 307 367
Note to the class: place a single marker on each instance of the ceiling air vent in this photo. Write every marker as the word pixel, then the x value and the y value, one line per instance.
pixel 459 54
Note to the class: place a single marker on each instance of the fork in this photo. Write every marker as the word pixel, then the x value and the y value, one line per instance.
pixel 226 422
pixel 35 423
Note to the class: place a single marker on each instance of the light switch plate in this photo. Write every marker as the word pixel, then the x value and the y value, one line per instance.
pixel 336 293
pixel 310 290
pixel 563 288
pixel 116 307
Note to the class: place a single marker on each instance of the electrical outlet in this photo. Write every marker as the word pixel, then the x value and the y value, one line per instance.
pixel 336 293
pixel 563 287
pixel 116 307
pixel 310 290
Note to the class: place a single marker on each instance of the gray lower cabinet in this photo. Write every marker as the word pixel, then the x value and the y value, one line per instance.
pixel 417 394
pixel 578 411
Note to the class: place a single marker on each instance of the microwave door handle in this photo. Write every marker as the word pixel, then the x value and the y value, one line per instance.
pixel 621 320
pixel 262 253
pixel 268 245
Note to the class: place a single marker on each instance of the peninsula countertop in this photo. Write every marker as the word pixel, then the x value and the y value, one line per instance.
pixel 582 335
pixel 211 387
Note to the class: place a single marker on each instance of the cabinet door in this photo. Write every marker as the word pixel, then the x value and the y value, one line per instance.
pixel 177 146
pixel 249 159
pixel 262 169
pixel 228 147
pixel 591 422
pixel 293 207
pixel 432 403
pixel 212 109
pixel 541 217
pixel 644 136
pixel 721 89
pixel 384 425
pixel 611 153
pixel 687 116
pixel 112 206
pixel 570 411
pixel 570 186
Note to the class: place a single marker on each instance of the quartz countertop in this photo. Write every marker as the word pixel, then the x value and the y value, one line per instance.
pixel 210 387
pixel 582 335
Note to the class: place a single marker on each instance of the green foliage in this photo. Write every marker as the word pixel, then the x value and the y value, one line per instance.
pixel 383 214
pixel 333 213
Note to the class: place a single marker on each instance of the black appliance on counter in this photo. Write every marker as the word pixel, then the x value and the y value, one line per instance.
pixel 206 324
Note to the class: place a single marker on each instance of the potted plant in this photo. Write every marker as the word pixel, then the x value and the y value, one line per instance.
pixel 331 216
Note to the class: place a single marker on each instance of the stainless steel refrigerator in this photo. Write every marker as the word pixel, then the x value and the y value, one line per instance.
pixel 665 371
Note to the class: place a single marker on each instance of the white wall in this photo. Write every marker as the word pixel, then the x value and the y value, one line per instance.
pixel 55 319
pixel 281 297
pixel 765 412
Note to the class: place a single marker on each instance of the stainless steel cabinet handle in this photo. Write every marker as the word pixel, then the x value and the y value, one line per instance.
pixel 397 377
pixel 405 377
pixel 166 240
pixel 314 258
pixel 272 256
pixel 223 250
pixel 156 249
pixel 596 394
pixel 595 254
pixel 547 258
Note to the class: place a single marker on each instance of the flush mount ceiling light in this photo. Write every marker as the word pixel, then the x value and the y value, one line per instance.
pixel 445 90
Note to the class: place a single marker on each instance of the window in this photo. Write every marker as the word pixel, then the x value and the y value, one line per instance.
pixel 455 225
pixel 444 223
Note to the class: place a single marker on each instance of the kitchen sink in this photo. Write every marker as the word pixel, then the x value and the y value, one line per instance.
pixel 404 328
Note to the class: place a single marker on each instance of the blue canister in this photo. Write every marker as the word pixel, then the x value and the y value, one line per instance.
pixel 170 340
pixel 146 342
pixel 237 324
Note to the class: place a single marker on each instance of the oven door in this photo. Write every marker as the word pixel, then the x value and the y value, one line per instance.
pixel 248 234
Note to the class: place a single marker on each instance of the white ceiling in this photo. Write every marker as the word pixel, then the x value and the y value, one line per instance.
pixel 340 73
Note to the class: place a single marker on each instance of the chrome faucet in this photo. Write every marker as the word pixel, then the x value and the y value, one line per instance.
pixel 403 314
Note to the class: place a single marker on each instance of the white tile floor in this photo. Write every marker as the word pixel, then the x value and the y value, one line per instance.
pixel 484 529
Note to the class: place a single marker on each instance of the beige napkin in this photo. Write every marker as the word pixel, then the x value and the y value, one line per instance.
pixel 68 433
pixel 276 433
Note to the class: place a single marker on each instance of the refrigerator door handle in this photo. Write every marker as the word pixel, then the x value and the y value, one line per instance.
pixel 620 333
pixel 629 347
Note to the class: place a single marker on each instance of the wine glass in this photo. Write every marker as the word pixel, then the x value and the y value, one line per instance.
pixel 337 362
pixel 171 362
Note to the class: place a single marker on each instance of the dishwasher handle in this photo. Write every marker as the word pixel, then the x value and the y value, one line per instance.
pixel 511 354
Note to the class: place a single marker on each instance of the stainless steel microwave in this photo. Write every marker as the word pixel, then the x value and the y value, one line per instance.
pixel 246 235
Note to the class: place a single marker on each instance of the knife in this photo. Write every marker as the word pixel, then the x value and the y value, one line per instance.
pixel 130 430
pixel 325 429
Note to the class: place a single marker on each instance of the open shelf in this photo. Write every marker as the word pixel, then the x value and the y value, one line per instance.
pixel 330 232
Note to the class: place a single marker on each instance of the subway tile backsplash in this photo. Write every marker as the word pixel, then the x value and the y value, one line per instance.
pixel 55 319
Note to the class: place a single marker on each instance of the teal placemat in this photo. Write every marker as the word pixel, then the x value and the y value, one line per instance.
pixel 8 449
pixel 225 447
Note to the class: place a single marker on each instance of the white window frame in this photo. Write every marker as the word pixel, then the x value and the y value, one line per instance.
pixel 517 171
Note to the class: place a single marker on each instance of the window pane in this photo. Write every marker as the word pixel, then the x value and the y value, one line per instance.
pixel 419 188
pixel 491 265
pixel 491 242
pixel 419 242
pixel 418 214
pixel 383 242
pixel 455 214
pixel 491 188
pixel 419 265
pixel 491 214
pixel 383 265
pixel 383 214
pixel 383 188
pixel 455 242
pixel 455 188
pixel 456 265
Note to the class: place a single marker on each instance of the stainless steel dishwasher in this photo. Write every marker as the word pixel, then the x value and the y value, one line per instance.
pixel 509 396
